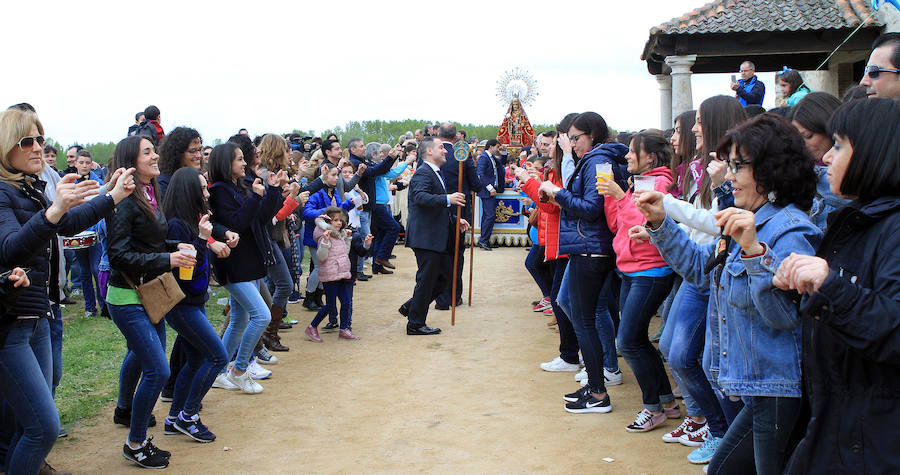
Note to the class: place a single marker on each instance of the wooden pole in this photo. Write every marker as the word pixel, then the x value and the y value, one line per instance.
pixel 456 252
pixel 472 247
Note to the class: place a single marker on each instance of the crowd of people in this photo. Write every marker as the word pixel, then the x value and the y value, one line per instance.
pixel 763 239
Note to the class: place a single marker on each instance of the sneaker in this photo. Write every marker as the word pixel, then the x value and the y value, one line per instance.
pixel 687 426
pixel 673 412
pixel 166 395
pixel 330 327
pixel 589 403
pixel 572 397
pixel 347 335
pixel 612 378
pixel 294 297
pixel 244 382
pixel 581 375
pixel 312 333
pixel 147 455
pixel 548 312
pixel 559 364
pixel 291 321
pixel 223 383
pixel 264 357
pixel 696 438
pixel 257 372
pixel 705 452
pixel 63 432
pixel 542 305
pixel 194 429
pixel 169 426
pixel 646 421
pixel 90 313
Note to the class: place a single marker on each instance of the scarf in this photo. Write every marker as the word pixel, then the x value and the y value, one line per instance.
pixel 151 196
pixel 697 170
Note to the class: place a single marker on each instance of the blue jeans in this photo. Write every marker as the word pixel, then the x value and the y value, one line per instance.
pixel 88 262
pixel 388 230
pixel 670 299
pixel 488 218
pixel 312 281
pixel 758 437
pixel 568 341
pixel 249 318
pixel 72 268
pixel 641 297
pixel 205 357
pixel 365 227
pixel 338 289
pixel 26 371
pixel 605 326
pixel 586 276
pixel 145 360
pixel 686 336
pixel 532 261
pixel 280 276
pixel 56 336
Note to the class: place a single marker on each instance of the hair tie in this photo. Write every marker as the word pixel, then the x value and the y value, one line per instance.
pixel 785 69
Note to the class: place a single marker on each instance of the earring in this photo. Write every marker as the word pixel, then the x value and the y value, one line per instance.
pixel 771 196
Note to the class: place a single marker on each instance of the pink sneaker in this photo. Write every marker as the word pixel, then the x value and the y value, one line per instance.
pixel 548 312
pixel 313 334
pixel 346 335
pixel 542 305
pixel 646 421
pixel 673 412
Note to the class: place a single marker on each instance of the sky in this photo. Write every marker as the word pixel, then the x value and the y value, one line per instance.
pixel 276 66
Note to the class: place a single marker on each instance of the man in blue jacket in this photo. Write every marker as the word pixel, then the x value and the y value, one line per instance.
pixel 749 90
pixel 492 174
pixel 89 257
pixel 367 184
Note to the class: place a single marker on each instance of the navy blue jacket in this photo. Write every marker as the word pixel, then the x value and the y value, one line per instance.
pixel 195 290
pixel 430 219
pixel 450 172
pixel 367 181
pixel 851 346
pixel 751 92
pixel 582 223
pixel 247 215
pixel 490 169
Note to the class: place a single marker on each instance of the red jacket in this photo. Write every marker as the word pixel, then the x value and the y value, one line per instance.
pixel 622 215
pixel 548 220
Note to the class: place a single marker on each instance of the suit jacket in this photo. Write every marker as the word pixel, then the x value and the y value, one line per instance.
pixel 450 171
pixel 491 169
pixel 429 223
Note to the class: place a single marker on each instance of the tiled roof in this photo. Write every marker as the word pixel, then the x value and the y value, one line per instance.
pixel 728 16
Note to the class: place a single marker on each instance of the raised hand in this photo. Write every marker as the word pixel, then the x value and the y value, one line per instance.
pixel 638 234
pixel 716 170
pixel 258 187
pixel 610 188
pixel 740 224
pixel 564 143
pixel 69 195
pixel 205 227
pixel 124 184
pixel 302 198
pixel 232 238
pixel 650 204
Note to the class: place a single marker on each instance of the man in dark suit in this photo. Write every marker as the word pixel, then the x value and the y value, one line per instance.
pixel 429 232
pixel 492 174
pixel 470 182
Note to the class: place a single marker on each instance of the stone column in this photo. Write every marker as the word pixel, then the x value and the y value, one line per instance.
pixel 682 96
pixel 665 101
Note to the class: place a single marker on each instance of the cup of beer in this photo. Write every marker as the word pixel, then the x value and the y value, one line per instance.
pixel 187 273
pixel 644 183
pixel 604 172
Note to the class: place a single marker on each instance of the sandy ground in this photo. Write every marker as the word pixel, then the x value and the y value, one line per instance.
pixel 470 400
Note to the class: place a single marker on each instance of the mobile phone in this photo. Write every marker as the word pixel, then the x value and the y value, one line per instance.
pixel 733 78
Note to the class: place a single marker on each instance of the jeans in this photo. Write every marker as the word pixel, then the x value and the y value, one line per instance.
pixel 26 371
pixel 605 326
pixel 685 336
pixel 641 297
pixel 145 359
pixel 365 227
pixel 532 261
pixel 280 276
pixel 758 437
pixel 586 276
pixel 72 268
pixel 488 217
pixel 388 230
pixel 205 357
pixel 338 289
pixel 56 341
pixel 249 318
pixel 312 281
pixel 568 341
pixel 88 260
pixel 670 299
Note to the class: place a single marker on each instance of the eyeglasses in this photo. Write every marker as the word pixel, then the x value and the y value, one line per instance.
pixel 28 142
pixel 734 166
pixel 874 71
pixel 574 138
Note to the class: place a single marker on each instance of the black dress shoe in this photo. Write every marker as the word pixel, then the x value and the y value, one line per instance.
pixel 393 256
pixel 363 277
pixel 404 310
pixel 441 307
pixel 423 330
pixel 459 302
pixel 485 247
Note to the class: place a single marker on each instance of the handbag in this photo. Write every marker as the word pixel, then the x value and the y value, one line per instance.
pixel 158 295
pixel 533 218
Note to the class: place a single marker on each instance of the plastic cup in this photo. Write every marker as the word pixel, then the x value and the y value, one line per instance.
pixel 604 172
pixel 644 183
pixel 187 273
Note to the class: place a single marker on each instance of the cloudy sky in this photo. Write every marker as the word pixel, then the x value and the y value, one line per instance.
pixel 273 66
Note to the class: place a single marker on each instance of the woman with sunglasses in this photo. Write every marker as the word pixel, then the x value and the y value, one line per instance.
pixel 753 332
pixel 28 240
pixel 851 301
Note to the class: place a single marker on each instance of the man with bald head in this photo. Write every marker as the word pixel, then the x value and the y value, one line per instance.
pixel 749 89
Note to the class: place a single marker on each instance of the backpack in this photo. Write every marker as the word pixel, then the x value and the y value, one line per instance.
pixel 144 129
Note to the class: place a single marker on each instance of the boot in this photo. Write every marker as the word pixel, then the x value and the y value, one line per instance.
pixel 270 336
pixel 309 302
pixel 320 294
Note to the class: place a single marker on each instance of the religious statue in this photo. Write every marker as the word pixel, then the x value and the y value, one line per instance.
pixel 515 88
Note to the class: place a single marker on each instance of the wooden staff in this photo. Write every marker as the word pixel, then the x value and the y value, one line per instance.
pixel 472 247
pixel 456 252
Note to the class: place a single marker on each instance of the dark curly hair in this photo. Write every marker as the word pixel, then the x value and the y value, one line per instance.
pixel 249 150
pixel 781 163
pixel 173 146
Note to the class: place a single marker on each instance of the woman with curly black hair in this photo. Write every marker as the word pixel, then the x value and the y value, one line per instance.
pixel 183 147
pixel 753 329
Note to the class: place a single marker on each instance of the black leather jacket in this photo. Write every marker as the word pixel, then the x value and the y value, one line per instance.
pixel 136 244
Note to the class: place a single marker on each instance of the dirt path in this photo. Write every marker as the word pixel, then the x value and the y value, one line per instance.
pixel 471 400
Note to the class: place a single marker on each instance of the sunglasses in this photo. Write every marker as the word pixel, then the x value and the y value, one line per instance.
pixel 875 71
pixel 28 142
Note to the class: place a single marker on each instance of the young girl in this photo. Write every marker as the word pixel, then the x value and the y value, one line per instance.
pixel 335 242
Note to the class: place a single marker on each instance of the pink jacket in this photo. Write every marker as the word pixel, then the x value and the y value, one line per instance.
pixel 333 256
pixel 622 215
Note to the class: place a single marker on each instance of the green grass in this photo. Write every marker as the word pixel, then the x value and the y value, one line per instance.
pixel 93 349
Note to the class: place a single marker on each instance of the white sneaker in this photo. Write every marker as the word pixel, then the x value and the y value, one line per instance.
pixel 612 379
pixel 244 382
pixel 559 364
pixel 256 371
pixel 223 383
pixel 581 375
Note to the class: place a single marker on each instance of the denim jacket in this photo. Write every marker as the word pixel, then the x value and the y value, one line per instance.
pixel 753 337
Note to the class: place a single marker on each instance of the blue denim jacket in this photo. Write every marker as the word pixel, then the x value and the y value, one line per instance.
pixel 753 334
